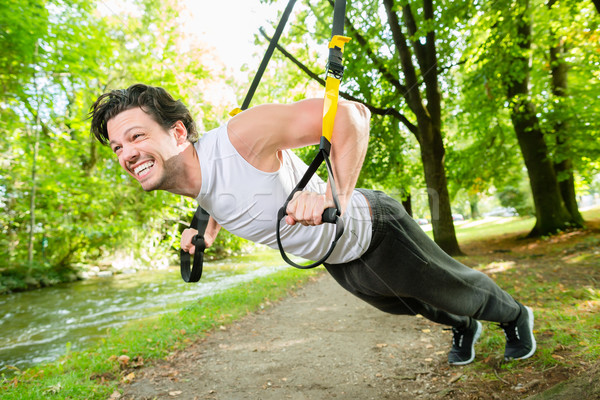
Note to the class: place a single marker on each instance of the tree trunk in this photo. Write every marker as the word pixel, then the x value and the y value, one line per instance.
pixel 432 155
pixel 36 145
pixel 563 165
pixel 428 117
pixel 550 209
pixel 474 206
pixel 36 138
pixel 407 204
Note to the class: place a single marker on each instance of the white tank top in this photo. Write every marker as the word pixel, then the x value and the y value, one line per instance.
pixel 245 201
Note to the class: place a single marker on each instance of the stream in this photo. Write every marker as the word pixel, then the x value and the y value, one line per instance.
pixel 39 325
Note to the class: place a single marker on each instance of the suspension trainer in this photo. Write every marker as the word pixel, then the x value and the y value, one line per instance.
pixel 335 72
pixel 192 271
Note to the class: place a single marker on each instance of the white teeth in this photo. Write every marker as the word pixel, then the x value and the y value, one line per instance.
pixel 142 167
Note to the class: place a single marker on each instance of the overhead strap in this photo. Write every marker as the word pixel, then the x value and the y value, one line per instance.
pixel 201 217
pixel 335 73
pixel 263 65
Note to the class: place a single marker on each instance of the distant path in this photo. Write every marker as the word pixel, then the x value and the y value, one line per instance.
pixel 321 343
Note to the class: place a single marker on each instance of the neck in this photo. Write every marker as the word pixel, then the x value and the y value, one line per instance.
pixel 187 180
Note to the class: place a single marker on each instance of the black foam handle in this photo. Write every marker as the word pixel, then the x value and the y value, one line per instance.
pixel 330 215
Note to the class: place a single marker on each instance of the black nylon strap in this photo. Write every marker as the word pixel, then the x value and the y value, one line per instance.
pixel 330 215
pixel 339 14
pixel 200 220
pixel 268 54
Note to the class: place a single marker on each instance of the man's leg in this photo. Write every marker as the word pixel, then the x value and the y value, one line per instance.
pixel 403 262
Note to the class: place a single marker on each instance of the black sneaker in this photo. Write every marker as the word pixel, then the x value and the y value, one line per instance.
pixel 463 344
pixel 520 342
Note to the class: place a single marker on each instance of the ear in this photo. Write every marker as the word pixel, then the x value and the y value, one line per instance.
pixel 180 132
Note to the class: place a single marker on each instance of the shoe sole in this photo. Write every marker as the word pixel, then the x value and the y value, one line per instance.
pixel 533 348
pixel 475 337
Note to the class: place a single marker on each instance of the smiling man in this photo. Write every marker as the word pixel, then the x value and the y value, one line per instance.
pixel 242 172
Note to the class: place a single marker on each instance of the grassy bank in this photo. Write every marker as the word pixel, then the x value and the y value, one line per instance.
pixel 559 277
pixel 96 372
pixel 34 276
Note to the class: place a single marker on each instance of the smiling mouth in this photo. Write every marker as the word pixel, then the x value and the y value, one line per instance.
pixel 144 169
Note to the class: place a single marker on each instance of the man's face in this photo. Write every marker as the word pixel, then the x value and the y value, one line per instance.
pixel 145 149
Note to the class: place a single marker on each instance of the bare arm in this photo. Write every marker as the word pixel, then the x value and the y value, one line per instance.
pixel 261 132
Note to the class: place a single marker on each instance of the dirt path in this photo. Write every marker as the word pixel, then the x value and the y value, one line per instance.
pixel 321 343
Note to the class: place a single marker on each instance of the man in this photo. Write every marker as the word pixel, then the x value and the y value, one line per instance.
pixel 242 172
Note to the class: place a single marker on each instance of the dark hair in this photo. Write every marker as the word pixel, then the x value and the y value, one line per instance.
pixel 155 101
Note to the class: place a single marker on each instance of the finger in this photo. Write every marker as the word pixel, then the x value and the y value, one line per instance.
pixel 293 204
pixel 318 208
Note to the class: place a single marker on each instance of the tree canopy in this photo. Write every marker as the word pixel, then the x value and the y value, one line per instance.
pixel 471 101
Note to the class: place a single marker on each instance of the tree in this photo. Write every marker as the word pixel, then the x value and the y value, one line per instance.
pixel 504 52
pixel 563 164
pixel 52 67
pixel 394 69
pixel 551 212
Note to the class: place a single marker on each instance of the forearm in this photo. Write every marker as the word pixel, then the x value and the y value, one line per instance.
pixel 348 147
pixel 212 230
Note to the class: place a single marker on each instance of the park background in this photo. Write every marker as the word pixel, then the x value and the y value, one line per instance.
pixel 486 108
pixel 476 106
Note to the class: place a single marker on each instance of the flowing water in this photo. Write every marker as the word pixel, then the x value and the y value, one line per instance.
pixel 38 326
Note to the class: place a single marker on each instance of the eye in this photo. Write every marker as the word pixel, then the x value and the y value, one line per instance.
pixel 116 149
pixel 137 136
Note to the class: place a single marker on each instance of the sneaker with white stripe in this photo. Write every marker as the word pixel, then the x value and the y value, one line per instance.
pixel 463 343
pixel 520 342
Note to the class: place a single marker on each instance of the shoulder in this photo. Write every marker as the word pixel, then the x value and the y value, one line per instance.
pixel 259 133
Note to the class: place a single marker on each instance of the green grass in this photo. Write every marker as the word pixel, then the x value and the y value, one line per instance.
pixel 96 372
pixel 558 277
pixel 495 228
pixel 467 232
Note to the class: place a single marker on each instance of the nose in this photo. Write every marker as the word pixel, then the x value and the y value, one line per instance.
pixel 129 153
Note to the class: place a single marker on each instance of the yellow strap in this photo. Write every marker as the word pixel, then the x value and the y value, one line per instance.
pixel 235 112
pixel 332 89
pixel 338 41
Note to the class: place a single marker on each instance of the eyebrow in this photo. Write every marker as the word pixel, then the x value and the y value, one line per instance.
pixel 111 142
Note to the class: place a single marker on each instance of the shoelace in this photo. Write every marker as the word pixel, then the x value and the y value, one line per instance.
pixel 511 331
pixel 457 337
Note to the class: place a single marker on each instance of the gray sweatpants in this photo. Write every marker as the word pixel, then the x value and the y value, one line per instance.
pixel 405 272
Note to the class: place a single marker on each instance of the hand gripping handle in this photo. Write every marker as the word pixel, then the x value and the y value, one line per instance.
pixel 192 271
pixel 330 215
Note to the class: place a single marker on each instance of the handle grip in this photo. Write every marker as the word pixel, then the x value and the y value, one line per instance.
pixel 191 268
pixel 330 215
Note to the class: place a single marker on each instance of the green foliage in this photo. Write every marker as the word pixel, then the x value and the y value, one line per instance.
pixel 517 198
pixel 55 62
pixel 488 71
pixel 53 66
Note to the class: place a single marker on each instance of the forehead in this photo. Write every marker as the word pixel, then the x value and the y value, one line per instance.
pixel 120 124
